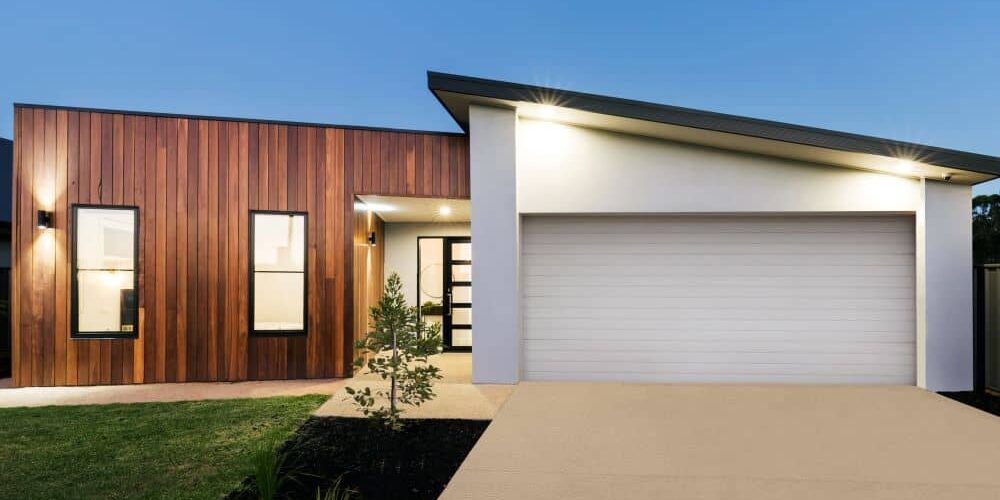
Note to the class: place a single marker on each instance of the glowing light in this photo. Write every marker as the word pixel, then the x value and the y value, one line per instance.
pixel 548 142
pixel 444 210
pixel 546 112
pixel 374 207
pixel 905 166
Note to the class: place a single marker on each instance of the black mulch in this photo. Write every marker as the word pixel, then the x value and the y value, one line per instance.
pixel 984 401
pixel 415 463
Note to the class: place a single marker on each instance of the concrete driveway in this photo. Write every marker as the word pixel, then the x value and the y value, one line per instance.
pixel 604 441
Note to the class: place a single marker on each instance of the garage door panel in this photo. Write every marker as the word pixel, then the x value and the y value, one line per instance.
pixel 701 291
pixel 798 359
pixel 782 302
pixel 718 269
pixel 710 257
pixel 711 370
pixel 709 312
pixel 675 376
pixel 707 328
pixel 710 224
pixel 698 248
pixel 726 342
pixel 551 240
pixel 580 340
pixel 819 283
pixel 697 298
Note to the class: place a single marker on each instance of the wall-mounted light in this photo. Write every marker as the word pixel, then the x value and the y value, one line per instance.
pixel 905 166
pixel 444 210
pixel 546 111
pixel 371 238
pixel 44 219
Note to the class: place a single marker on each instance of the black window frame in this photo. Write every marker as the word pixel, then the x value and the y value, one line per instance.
pixel 75 332
pixel 305 276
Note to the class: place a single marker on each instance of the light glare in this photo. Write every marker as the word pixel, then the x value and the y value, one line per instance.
pixel 374 207
pixel 546 111
pixel 905 165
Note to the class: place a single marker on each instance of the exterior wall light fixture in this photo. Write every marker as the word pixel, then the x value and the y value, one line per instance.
pixel 44 219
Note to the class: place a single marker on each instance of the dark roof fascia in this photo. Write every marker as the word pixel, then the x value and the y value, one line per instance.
pixel 235 119
pixel 708 120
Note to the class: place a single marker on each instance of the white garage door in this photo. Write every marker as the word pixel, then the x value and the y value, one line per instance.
pixel 719 299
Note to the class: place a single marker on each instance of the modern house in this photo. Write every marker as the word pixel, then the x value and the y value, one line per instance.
pixel 609 240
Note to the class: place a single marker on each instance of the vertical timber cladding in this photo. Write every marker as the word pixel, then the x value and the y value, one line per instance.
pixel 368 268
pixel 195 181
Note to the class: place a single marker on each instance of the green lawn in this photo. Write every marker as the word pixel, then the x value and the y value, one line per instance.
pixel 196 449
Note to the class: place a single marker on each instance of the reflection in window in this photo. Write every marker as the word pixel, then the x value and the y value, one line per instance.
pixel 104 295
pixel 278 266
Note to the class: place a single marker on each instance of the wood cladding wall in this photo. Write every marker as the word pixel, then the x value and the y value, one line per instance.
pixel 195 181
pixel 369 266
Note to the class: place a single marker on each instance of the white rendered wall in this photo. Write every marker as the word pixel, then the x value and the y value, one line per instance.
pixel 496 245
pixel 567 169
pixel 944 288
pixel 401 249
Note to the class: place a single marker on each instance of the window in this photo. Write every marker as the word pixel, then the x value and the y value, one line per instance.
pixel 105 250
pixel 278 278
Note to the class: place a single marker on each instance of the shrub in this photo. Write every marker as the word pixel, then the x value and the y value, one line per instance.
pixel 269 471
pixel 396 349
pixel 338 491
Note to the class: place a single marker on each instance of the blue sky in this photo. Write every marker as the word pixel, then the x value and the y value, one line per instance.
pixel 927 72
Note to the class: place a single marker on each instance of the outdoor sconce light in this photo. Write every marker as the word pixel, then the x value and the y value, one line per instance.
pixel 44 219
pixel 371 238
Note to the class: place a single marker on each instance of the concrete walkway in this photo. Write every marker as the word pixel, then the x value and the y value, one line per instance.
pixel 148 393
pixel 456 396
pixel 610 441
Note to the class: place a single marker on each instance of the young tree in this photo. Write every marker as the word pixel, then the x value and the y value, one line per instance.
pixel 396 349
pixel 986 229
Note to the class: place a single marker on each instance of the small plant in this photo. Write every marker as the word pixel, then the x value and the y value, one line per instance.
pixel 269 472
pixel 338 491
pixel 430 308
pixel 396 349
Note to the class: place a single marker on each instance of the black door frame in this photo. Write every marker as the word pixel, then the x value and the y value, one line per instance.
pixel 447 327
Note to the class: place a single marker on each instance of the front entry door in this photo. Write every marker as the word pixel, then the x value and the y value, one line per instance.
pixel 456 325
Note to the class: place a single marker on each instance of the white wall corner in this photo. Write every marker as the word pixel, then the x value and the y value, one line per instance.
pixel 495 245
pixel 944 287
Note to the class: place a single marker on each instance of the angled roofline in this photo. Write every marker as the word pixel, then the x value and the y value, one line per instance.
pixel 705 120
pixel 234 119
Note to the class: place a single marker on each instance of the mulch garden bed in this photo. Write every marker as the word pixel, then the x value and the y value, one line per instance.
pixel 982 400
pixel 415 463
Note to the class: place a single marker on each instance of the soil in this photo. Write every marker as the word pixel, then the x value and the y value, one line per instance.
pixel 415 463
pixel 985 401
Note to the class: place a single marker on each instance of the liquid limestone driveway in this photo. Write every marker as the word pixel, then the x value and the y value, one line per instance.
pixel 655 441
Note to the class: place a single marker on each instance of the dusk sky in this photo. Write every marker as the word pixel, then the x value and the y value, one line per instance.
pixel 927 72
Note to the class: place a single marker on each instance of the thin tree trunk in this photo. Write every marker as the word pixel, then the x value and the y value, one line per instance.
pixel 392 393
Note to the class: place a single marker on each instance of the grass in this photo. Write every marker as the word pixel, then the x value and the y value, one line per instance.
pixel 197 449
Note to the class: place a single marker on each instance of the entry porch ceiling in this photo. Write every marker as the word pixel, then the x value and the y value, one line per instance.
pixel 711 129
pixel 411 209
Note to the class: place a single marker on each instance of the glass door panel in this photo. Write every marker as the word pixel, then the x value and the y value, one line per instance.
pixel 461 272
pixel 461 252
pixel 461 293
pixel 430 279
pixel 444 277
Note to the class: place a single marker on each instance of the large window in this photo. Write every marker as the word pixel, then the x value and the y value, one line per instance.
pixel 277 268
pixel 105 248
